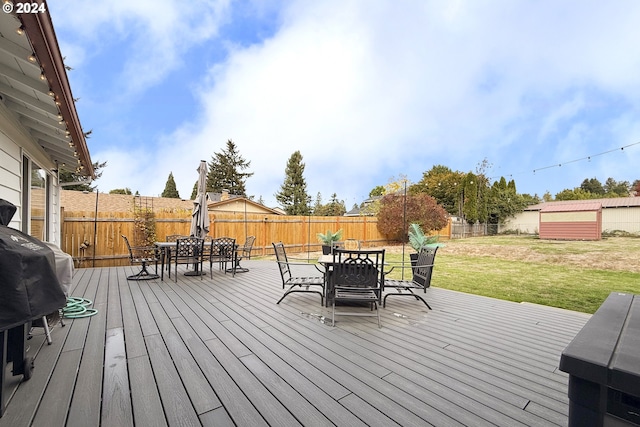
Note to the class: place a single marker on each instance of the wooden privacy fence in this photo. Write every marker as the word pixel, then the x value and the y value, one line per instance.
pixel 97 241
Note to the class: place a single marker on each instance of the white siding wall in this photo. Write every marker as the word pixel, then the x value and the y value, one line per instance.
pixel 527 222
pixel 10 166
pixel 14 143
pixel 623 219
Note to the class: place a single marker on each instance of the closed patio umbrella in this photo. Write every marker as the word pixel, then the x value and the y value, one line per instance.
pixel 200 214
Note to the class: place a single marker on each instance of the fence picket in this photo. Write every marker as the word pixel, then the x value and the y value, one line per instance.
pixel 298 233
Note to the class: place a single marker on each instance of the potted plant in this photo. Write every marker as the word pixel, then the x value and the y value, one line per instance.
pixel 329 240
pixel 419 240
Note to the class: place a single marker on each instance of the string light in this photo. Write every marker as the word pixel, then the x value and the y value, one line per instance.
pixel 588 158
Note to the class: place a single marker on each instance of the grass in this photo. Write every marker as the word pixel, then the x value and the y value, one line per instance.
pixel 571 275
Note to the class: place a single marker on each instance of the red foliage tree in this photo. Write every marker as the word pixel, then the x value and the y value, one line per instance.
pixel 420 208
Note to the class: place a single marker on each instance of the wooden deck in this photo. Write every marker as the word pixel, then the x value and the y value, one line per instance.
pixel 221 352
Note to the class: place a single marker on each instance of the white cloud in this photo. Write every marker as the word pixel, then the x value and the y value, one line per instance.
pixel 155 34
pixel 367 91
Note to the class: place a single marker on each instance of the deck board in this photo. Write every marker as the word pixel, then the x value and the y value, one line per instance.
pixel 220 351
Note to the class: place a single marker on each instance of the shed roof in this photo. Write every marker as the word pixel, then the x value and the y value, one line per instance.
pixel 572 207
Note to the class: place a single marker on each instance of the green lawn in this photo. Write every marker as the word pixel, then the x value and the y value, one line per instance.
pixel 572 275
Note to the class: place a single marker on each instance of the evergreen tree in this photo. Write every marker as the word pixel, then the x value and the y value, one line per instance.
pixel 470 198
pixel 614 188
pixel 225 171
pixel 293 197
pixel 194 192
pixel 317 207
pixel 84 182
pixel 592 186
pixel 504 201
pixel 170 190
pixel 378 190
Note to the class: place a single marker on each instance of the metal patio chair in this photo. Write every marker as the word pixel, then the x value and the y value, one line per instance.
pixel 188 250
pixel 356 277
pixel 222 250
pixel 297 283
pixel 421 280
pixel 243 252
pixel 143 256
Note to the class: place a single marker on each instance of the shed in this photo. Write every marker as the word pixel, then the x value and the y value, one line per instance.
pixel 571 221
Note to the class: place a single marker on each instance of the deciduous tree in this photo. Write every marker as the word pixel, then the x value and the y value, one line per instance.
pixel 443 184
pixel 394 220
pixel 576 194
pixel 334 207
pixel 126 191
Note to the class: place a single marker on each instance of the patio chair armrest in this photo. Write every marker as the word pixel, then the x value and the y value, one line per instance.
pixel 405 265
pixel 145 248
pixel 302 264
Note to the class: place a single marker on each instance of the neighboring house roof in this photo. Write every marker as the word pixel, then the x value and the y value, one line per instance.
pixel 240 204
pixel 613 202
pixel 362 210
pixel 34 86
pixel 217 197
pixel 81 201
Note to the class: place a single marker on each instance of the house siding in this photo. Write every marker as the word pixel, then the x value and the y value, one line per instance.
pixel 10 166
pixel 14 144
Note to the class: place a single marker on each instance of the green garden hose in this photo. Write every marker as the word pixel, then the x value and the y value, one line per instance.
pixel 77 308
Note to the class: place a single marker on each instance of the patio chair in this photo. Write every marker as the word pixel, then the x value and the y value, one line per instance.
pixel 143 256
pixel 421 280
pixel 222 250
pixel 188 250
pixel 297 283
pixel 243 251
pixel 171 238
pixel 357 277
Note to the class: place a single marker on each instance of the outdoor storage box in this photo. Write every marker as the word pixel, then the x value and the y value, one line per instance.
pixel 603 363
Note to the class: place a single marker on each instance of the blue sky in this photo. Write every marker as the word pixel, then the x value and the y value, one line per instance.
pixel 367 91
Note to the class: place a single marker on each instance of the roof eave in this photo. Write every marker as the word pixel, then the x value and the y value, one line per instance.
pixel 43 40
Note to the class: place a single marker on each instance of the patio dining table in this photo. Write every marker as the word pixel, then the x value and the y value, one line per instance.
pixel 165 250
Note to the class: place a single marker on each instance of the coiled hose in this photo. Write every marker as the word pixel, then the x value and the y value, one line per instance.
pixel 77 308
